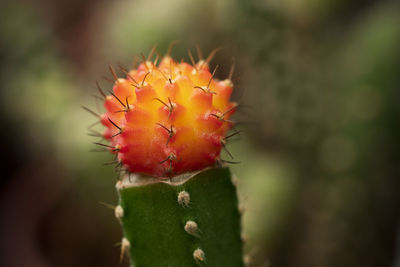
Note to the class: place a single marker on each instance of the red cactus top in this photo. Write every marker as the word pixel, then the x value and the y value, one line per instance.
pixel 168 119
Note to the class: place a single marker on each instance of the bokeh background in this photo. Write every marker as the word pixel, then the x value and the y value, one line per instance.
pixel 319 80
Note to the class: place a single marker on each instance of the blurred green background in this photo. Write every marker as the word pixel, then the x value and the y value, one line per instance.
pixel 319 173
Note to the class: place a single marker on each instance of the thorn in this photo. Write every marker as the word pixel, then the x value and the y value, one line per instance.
pixel 127 103
pixel 111 163
pixel 170 71
pixel 100 90
pixel 170 131
pixel 179 68
pixel 119 165
pixel 118 178
pixel 156 60
pixel 231 135
pixel 115 150
pixel 162 102
pixel 128 106
pixel 119 100
pixel 97 97
pixel 159 124
pixel 92 125
pixel 171 45
pixel 107 205
pixel 170 106
pixel 97 103
pixel 229 110
pixel 215 115
pixel 114 135
pixel 121 67
pixel 170 157
pixel 144 78
pixel 199 53
pixel 205 90
pixel 231 70
pixel 95 132
pixel 201 88
pixel 143 60
pixel 165 77
pixel 125 245
pixel 226 150
pixel 134 62
pixel 91 111
pixel 212 54
pixel 95 135
pixel 212 76
pixel 100 144
pixel 164 160
pixel 113 73
pixel 230 162
pixel 221 117
pixel 126 72
pixel 107 79
pixel 169 171
pixel 151 52
pixel 191 58
pixel 113 123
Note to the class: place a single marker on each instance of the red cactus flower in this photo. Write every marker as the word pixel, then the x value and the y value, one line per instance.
pixel 168 119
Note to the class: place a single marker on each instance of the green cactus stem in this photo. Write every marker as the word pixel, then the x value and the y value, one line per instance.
pixel 189 220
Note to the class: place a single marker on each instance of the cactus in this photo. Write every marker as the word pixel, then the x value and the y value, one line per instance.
pixel 182 223
pixel 167 124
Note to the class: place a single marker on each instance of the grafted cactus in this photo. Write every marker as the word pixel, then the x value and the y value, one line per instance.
pixel 167 124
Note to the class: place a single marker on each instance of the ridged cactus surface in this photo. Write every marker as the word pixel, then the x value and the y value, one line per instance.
pixel 190 223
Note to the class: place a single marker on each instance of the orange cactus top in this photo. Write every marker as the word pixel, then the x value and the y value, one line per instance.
pixel 168 119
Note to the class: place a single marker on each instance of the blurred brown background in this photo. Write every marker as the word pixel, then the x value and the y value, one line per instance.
pixel 319 177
